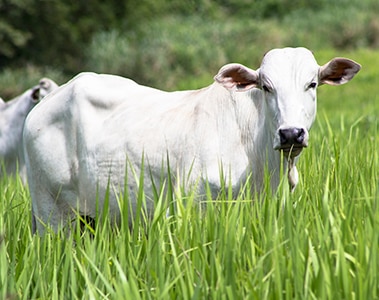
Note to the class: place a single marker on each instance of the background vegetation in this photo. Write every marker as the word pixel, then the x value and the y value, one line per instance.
pixel 163 43
pixel 322 242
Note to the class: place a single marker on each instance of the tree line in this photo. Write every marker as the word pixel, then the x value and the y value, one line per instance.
pixel 53 31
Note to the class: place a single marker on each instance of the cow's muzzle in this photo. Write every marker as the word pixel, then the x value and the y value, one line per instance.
pixel 292 140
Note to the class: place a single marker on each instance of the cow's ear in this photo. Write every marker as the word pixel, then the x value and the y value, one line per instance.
pixel 36 93
pixel 237 76
pixel 338 71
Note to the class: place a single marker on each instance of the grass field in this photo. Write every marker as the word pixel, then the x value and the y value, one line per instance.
pixel 321 242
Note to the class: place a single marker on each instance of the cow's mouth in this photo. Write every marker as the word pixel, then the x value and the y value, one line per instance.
pixel 291 141
pixel 291 151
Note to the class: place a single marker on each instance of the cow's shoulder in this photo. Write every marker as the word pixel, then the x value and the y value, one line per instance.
pixel 93 82
pixel 102 91
pixel 3 105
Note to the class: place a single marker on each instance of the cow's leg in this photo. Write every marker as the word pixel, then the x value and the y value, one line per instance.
pixel 34 223
pixel 50 177
pixel 49 211
pixel 43 213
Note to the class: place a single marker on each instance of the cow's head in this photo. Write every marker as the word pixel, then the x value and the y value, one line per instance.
pixel 44 87
pixel 288 79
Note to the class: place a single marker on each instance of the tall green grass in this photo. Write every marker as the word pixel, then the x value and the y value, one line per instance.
pixel 321 242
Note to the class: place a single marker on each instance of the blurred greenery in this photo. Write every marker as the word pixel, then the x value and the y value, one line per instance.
pixel 160 42
pixel 14 81
pixel 324 244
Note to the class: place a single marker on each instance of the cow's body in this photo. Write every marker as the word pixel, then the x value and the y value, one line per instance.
pixel 12 117
pixel 79 141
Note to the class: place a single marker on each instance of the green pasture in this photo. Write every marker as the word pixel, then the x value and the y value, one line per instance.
pixel 321 242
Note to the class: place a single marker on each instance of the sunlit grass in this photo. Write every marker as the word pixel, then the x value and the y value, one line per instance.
pixel 320 242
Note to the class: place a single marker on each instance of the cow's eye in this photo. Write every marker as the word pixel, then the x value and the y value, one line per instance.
pixel 265 88
pixel 312 85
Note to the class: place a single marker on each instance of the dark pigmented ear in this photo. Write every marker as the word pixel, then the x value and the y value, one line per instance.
pixel 35 93
pixel 338 71
pixel 237 76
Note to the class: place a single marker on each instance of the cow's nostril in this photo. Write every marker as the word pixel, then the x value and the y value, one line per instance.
pixel 292 136
pixel 300 136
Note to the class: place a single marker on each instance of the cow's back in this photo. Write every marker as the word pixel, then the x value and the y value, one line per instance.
pixel 62 140
pixel 83 139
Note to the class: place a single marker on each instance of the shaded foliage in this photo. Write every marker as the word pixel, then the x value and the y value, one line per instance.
pixel 163 53
pixel 12 36
pixel 52 32
pixel 159 42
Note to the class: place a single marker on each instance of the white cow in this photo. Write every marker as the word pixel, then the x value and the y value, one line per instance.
pixel 12 116
pixel 81 139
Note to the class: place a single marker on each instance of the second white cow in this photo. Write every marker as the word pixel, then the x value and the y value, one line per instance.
pixel 12 117
pixel 80 140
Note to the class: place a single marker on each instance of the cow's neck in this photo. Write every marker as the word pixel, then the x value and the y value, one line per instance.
pixel 15 114
pixel 257 136
pixel 19 106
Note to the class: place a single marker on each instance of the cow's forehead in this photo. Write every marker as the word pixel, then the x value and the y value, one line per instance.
pixel 289 60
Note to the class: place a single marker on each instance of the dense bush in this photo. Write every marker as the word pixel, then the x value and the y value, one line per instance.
pixel 165 52
pixel 347 28
pixel 161 43
pixel 52 32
